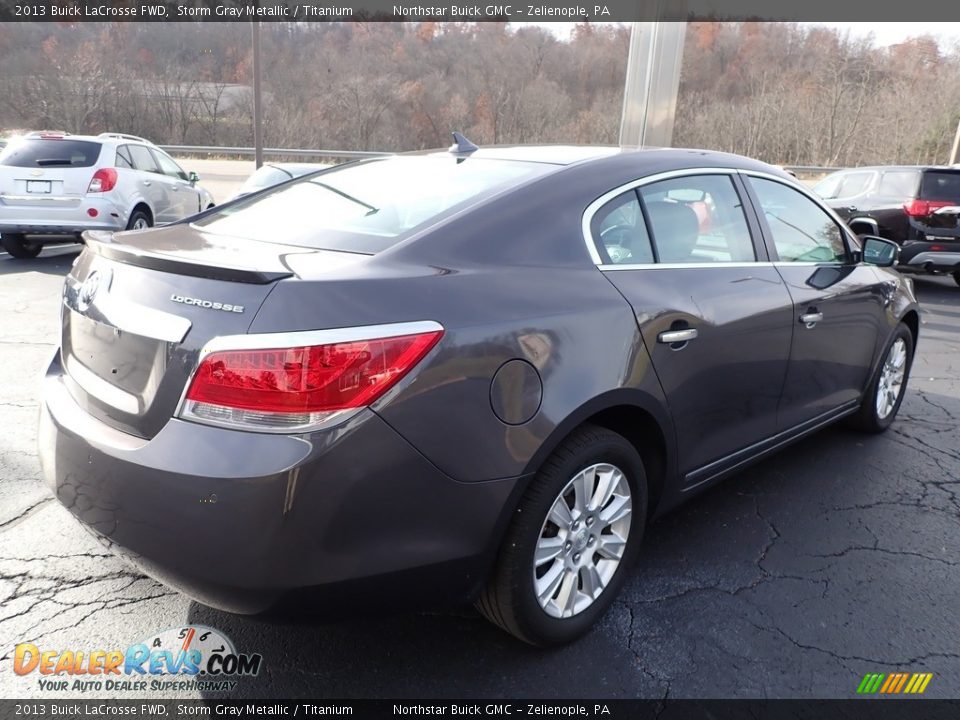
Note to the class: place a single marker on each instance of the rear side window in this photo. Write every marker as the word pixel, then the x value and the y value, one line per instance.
pixel 50 152
pixel 898 184
pixel 698 219
pixel 142 159
pixel 621 231
pixel 123 158
pixel 367 207
pixel 940 185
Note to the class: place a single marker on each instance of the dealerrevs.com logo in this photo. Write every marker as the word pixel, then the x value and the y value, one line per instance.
pixel 193 657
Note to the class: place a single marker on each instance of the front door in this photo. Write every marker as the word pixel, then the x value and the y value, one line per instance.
pixel 715 316
pixel 838 304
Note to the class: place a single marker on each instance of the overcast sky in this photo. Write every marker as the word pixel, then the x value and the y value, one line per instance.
pixel 890 33
pixel 884 33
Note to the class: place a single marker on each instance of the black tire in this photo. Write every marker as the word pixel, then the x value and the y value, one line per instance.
pixel 867 418
pixel 139 214
pixel 19 247
pixel 956 277
pixel 509 598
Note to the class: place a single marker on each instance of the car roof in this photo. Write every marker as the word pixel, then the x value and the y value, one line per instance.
pixel 103 139
pixel 883 168
pixel 655 158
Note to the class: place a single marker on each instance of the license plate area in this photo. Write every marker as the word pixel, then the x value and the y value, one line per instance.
pixel 40 187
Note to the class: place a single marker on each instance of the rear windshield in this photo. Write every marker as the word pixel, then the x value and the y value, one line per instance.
pixel 369 206
pixel 50 152
pixel 940 185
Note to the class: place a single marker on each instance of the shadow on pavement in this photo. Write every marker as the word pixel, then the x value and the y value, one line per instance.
pixel 53 260
pixel 706 564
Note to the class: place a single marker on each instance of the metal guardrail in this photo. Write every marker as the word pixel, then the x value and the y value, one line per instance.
pixel 281 152
pixel 811 169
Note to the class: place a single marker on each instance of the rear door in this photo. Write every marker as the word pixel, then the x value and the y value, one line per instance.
pixel 151 184
pixel 838 304
pixel 714 314
pixel 184 197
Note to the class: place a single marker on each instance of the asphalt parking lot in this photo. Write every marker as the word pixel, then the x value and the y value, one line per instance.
pixel 838 557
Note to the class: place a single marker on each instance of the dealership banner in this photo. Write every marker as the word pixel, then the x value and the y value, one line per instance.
pixel 438 11
pixel 500 708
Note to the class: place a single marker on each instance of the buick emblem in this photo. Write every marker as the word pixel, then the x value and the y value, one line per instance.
pixel 36 173
pixel 91 286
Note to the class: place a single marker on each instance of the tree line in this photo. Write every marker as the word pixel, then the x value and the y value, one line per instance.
pixel 782 92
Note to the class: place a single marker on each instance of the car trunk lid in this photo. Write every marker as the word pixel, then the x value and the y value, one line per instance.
pixel 139 307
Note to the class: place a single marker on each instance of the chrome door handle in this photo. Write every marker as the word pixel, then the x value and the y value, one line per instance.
pixel 670 337
pixel 811 318
pixel 147 183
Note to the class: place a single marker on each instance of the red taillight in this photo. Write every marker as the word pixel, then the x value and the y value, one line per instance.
pixel 935 248
pixel 104 180
pixel 293 388
pixel 922 208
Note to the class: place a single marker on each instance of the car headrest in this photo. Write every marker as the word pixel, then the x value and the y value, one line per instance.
pixel 675 228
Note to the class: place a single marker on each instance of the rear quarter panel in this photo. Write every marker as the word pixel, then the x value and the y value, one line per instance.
pixel 510 279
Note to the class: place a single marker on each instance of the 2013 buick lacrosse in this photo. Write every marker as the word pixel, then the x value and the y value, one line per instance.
pixel 476 373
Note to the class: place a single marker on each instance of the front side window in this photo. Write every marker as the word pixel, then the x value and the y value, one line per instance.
pixel 802 231
pixel 168 166
pixel 829 187
pixel 620 231
pixel 853 184
pixel 698 219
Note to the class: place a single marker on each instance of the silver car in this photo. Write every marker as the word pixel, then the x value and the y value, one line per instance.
pixel 54 185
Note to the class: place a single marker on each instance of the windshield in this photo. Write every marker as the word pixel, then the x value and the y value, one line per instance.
pixel 369 206
pixel 264 177
pixel 50 152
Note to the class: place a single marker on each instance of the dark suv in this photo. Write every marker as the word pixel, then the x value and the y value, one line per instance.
pixel 916 206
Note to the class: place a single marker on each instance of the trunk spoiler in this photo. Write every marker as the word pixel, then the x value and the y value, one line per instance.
pixel 103 244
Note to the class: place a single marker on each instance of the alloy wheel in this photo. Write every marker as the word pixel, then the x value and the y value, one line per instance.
pixel 140 223
pixel 891 378
pixel 582 540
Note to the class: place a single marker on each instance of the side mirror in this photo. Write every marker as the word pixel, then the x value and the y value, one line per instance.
pixel 194 178
pixel 879 251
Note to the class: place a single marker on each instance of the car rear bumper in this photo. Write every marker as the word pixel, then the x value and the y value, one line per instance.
pixel 235 519
pixel 922 257
pixel 58 216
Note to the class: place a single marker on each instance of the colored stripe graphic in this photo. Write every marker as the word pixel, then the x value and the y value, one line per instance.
pixel 892 679
pixel 903 679
pixel 894 683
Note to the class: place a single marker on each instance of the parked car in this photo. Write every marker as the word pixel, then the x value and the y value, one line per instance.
pixel 460 374
pixel 915 206
pixel 273 173
pixel 54 185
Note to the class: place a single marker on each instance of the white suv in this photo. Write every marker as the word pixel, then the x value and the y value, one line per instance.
pixel 56 184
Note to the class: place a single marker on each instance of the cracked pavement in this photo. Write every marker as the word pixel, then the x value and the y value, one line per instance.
pixel 835 558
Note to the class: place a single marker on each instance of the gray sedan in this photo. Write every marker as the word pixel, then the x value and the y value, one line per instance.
pixel 466 375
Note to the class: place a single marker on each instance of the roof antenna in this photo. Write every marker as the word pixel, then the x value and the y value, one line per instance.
pixel 461 145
